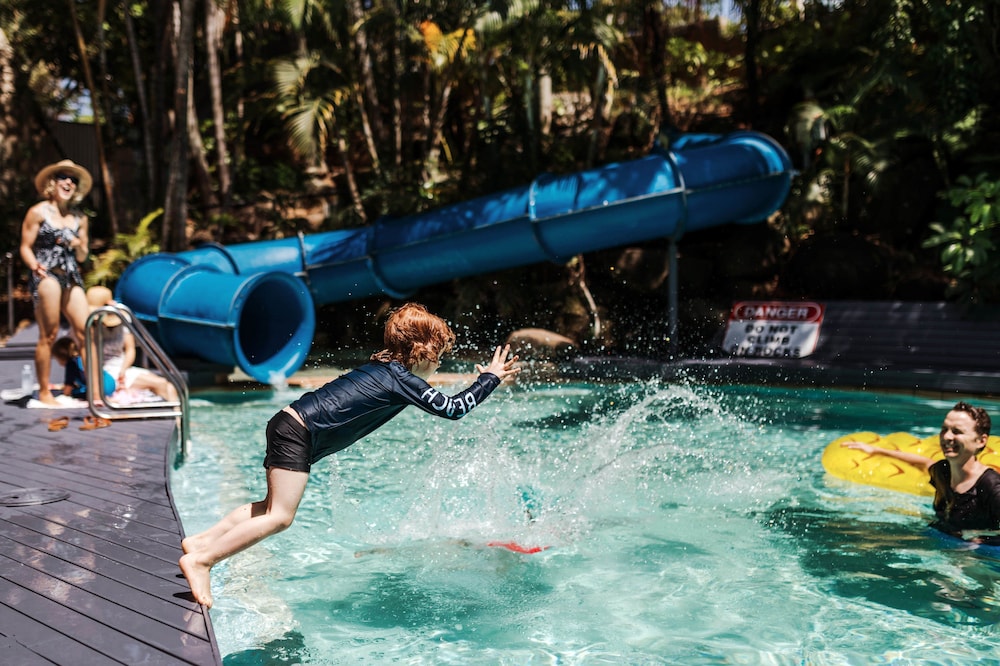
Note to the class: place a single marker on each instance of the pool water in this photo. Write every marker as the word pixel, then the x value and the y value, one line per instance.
pixel 679 525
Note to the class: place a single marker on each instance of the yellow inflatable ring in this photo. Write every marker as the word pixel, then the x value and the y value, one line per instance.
pixel 877 470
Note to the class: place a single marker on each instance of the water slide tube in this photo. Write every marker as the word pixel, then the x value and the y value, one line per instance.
pixel 252 304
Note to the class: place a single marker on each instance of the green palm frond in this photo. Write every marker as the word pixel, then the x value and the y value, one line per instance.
pixel 309 124
pixel 110 264
pixel 310 89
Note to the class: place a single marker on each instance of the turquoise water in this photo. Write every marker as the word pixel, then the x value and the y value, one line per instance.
pixel 681 525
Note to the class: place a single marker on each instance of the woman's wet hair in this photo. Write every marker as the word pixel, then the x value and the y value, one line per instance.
pixel 412 335
pixel 979 417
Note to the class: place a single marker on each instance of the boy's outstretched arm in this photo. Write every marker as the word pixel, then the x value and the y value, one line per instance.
pixel 501 366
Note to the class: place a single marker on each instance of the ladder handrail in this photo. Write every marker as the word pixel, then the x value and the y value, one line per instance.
pixel 144 341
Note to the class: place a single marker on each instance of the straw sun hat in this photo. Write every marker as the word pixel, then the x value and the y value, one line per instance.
pixel 83 177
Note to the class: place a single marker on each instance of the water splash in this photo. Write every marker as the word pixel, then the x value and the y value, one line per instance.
pixel 627 451
pixel 277 379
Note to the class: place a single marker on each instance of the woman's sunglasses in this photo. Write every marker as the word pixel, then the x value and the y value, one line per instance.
pixel 66 176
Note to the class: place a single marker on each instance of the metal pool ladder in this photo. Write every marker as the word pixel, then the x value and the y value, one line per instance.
pixel 99 403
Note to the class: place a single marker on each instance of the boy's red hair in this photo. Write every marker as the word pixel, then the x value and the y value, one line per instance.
pixel 412 335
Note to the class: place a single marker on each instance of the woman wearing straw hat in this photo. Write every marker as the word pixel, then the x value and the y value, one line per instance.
pixel 54 243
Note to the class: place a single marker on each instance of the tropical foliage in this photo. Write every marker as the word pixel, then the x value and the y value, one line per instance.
pixel 240 118
pixel 969 242
pixel 108 266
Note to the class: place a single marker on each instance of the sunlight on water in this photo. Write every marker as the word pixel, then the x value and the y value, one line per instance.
pixel 677 524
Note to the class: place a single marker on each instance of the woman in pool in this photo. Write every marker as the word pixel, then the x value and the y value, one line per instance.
pixel 53 245
pixel 966 492
pixel 332 418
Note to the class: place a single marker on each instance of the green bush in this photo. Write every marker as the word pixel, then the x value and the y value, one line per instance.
pixel 967 242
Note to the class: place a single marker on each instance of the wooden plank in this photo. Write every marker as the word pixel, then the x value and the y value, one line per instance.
pixel 154 552
pixel 75 477
pixel 106 628
pixel 39 640
pixel 93 581
pixel 167 584
pixel 15 653
pixel 106 499
pixel 137 483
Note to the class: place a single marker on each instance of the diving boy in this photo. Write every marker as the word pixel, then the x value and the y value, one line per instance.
pixel 332 418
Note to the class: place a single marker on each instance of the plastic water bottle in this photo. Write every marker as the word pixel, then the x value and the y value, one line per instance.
pixel 27 379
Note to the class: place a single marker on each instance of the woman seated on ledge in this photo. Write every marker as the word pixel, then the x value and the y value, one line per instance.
pixel 966 492
pixel 119 354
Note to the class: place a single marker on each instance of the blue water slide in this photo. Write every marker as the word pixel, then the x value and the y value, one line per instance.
pixel 252 304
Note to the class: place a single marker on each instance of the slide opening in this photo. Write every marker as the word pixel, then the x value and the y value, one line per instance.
pixel 275 327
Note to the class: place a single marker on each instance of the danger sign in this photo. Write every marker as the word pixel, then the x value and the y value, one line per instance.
pixel 773 329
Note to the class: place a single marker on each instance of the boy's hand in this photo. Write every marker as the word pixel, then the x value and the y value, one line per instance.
pixel 499 366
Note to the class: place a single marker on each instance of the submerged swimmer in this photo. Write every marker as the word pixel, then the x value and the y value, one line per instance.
pixel 966 492
pixel 332 418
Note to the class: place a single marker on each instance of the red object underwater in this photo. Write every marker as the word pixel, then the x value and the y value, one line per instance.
pixel 516 547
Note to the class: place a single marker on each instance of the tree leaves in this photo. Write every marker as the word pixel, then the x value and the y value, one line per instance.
pixel 968 240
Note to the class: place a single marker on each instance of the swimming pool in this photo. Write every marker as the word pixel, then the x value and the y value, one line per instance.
pixel 681 524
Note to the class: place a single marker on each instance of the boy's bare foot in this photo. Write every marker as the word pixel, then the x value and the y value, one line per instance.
pixel 47 398
pixel 199 578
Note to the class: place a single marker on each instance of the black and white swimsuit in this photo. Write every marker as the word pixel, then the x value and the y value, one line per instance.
pixel 53 252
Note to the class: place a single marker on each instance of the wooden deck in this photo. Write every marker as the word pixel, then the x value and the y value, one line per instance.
pixel 89 542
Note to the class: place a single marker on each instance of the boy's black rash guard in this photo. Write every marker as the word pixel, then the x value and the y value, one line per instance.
pixel 343 411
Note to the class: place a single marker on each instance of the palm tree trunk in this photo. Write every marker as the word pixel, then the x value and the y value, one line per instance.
pixel 202 171
pixel 435 133
pixel 106 178
pixel 370 110
pixel 239 155
pixel 102 60
pixel 366 130
pixel 352 184
pixel 161 101
pixel 597 123
pixel 751 12
pixel 654 39
pixel 530 104
pixel 397 104
pixel 214 20
pixel 140 86
pixel 8 120
pixel 175 206
pixel 434 138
